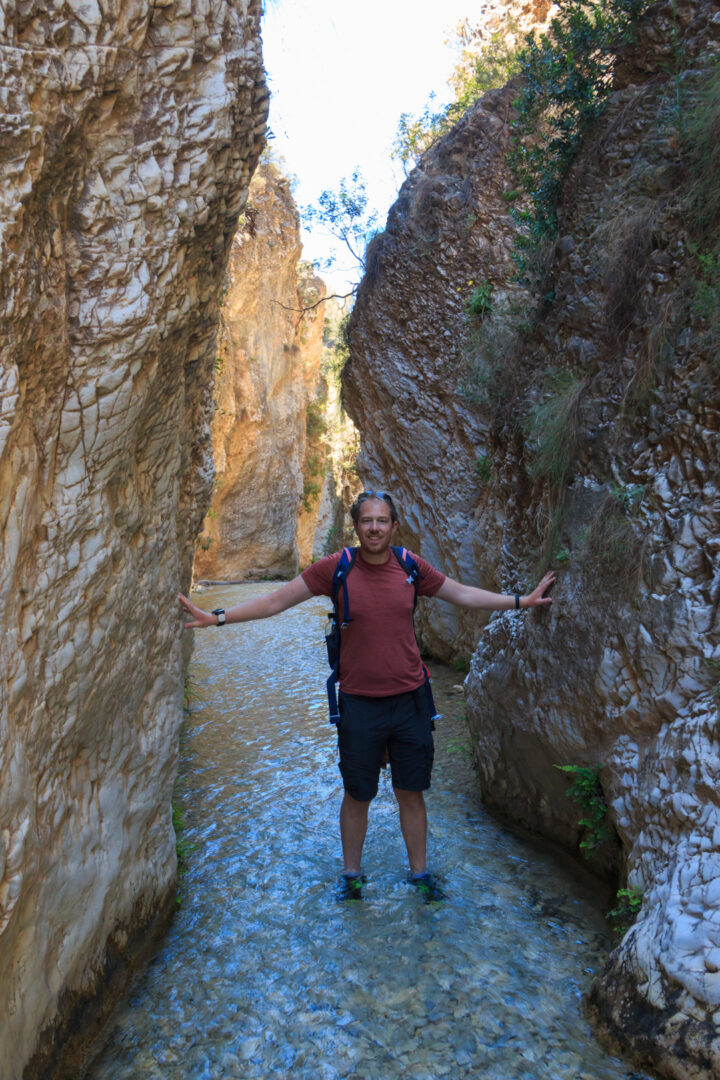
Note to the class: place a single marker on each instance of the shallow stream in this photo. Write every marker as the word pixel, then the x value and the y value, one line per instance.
pixel 263 974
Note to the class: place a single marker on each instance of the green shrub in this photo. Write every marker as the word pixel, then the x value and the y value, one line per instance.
pixel 479 305
pixel 315 422
pixel 626 910
pixel 566 75
pixel 484 468
pixel 310 495
pixel 586 790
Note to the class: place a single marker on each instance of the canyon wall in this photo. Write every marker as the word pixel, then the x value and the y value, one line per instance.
pixel 282 445
pixel 130 134
pixel 269 356
pixel 578 432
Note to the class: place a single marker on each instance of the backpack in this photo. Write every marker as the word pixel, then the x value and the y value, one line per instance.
pixel 334 627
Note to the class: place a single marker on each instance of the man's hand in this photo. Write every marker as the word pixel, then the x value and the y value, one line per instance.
pixel 537 597
pixel 200 618
pixel 260 607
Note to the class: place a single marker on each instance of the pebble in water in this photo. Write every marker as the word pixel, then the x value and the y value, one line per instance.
pixel 263 973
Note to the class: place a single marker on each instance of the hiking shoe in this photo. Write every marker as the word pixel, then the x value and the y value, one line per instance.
pixel 427 886
pixel 350 887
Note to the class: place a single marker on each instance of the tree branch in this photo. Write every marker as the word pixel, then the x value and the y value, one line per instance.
pixel 311 307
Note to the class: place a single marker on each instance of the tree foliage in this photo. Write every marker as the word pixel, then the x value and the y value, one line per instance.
pixel 566 78
pixel 345 214
pixel 480 67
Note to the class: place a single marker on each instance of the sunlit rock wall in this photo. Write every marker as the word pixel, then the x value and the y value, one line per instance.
pixel 622 673
pixel 130 132
pixel 269 358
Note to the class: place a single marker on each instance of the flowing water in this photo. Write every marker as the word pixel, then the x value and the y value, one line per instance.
pixel 263 974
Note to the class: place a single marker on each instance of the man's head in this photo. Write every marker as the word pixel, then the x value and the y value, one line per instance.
pixel 375 519
pixel 366 496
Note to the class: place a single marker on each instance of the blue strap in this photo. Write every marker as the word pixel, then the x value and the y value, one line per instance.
pixel 343 568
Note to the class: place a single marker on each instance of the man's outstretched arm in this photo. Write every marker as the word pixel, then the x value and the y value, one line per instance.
pixel 468 596
pixel 260 607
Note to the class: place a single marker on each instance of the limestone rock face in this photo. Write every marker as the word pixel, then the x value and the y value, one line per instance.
pixel 461 420
pixel 130 133
pixel 269 359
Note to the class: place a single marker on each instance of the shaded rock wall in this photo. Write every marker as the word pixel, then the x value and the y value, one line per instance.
pixel 457 419
pixel 263 509
pixel 130 133
pixel 339 445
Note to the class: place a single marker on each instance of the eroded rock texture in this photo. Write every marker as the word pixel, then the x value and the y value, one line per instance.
pixel 465 419
pixel 130 132
pixel 264 510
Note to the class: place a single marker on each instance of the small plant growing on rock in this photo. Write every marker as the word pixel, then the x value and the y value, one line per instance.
pixel 183 848
pixel 554 430
pixel 713 667
pixel 479 305
pixel 626 910
pixel 315 422
pixel 615 542
pixel 586 789
pixel 484 468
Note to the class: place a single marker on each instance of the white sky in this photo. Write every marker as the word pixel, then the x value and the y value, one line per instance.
pixel 341 72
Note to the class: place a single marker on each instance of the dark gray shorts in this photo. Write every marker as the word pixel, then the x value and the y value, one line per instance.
pixel 367 725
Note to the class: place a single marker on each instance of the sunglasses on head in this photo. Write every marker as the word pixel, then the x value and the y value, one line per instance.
pixel 373 495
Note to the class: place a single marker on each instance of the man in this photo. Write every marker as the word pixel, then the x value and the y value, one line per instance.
pixel 384 705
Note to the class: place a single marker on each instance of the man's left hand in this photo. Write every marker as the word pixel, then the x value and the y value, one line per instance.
pixel 537 597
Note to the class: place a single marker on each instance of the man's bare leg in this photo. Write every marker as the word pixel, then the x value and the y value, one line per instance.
pixel 353 827
pixel 413 822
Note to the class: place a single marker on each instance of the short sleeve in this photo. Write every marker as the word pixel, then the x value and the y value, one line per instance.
pixel 318 577
pixel 431 580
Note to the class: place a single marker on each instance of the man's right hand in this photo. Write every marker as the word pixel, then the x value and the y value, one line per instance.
pixel 200 618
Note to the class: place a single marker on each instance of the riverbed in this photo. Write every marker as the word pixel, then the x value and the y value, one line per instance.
pixel 263 973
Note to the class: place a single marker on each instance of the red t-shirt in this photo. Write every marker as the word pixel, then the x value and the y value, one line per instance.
pixel 379 655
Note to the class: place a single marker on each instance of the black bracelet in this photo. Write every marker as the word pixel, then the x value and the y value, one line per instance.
pixel 517 601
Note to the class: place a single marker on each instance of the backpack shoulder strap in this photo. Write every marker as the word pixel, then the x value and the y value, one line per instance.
pixel 410 567
pixel 339 581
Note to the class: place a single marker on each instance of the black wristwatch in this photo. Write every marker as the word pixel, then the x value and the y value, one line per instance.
pixel 220 612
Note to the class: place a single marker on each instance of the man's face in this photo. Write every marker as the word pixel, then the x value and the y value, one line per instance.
pixel 375 528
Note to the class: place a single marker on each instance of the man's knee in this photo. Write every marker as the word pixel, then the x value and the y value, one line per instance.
pixel 411 799
pixel 356 807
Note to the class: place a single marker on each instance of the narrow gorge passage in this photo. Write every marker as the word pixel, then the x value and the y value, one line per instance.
pixel 263 973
